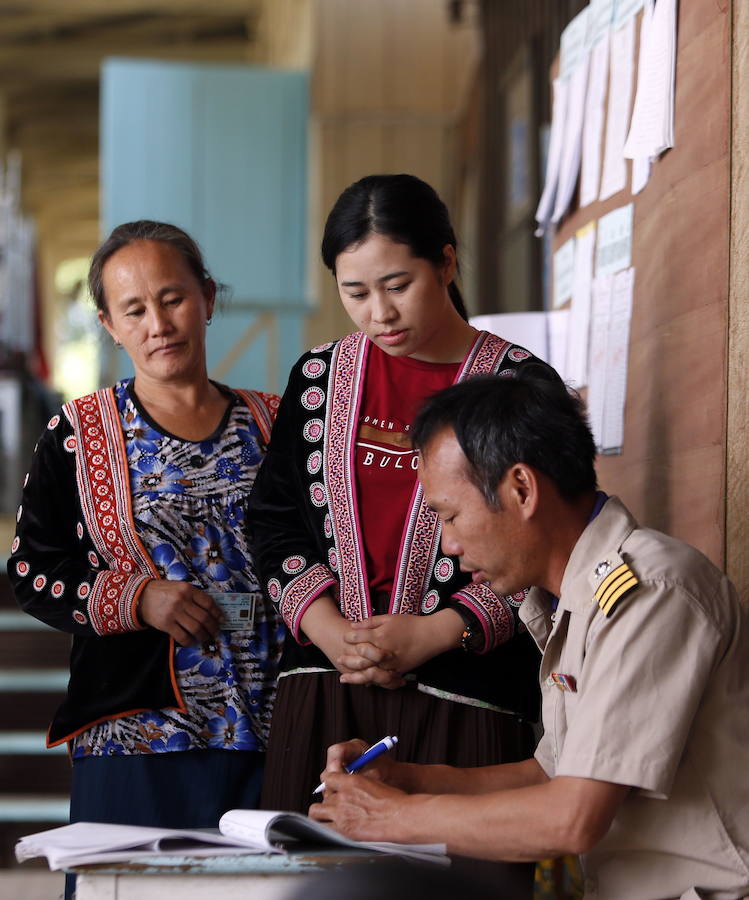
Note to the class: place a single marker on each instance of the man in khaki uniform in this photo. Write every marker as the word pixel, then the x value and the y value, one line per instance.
pixel 644 763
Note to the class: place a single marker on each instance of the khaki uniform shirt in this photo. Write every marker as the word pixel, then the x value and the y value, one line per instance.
pixel 656 696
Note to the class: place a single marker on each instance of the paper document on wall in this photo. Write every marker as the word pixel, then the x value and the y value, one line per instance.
pixel 601 17
pixel 641 165
pixel 625 11
pixel 558 116
pixel 599 335
pixel 652 128
pixel 564 270
pixel 558 327
pixel 621 71
pixel 614 249
pixel 543 333
pixel 578 332
pixel 573 45
pixel 617 352
pixel 528 329
pixel 569 166
pixel 590 175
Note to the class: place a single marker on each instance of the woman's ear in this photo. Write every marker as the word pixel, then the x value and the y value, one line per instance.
pixel 209 290
pixel 106 322
pixel 449 266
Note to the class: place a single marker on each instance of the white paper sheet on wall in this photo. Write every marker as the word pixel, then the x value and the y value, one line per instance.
pixel 601 17
pixel 590 175
pixel 599 335
pixel 641 173
pixel 652 128
pixel 617 352
pixel 558 328
pixel 569 167
pixel 626 10
pixel 614 248
pixel 578 332
pixel 574 43
pixel 558 116
pixel 528 329
pixel 621 70
pixel 543 333
pixel 641 165
pixel 564 270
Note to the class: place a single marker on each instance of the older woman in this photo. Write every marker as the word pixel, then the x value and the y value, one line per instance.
pixel 130 537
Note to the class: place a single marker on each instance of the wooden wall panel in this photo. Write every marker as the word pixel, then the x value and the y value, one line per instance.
pixel 388 82
pixel 672 471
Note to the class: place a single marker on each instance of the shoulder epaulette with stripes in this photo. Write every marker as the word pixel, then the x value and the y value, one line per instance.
pixel 616 585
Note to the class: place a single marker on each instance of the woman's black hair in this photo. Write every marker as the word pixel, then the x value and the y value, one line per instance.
pixel 401 207
pixel 144 230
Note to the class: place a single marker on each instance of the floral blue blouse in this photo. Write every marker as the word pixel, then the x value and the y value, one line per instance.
pixel 189 505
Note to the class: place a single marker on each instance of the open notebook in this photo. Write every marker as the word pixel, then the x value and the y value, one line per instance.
pixel 241 831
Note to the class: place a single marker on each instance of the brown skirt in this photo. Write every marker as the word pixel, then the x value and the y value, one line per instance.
pixel 313 711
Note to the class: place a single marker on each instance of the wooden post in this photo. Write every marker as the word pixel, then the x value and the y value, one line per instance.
pixel 737 443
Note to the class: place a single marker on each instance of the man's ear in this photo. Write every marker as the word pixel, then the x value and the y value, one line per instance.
pixel 521 489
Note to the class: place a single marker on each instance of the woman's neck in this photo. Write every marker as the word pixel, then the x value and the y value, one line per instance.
pixel 190 410
pixel 451 343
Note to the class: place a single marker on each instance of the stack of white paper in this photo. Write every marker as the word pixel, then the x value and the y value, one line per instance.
pixel 573 65
pixel 553 162
pixel 652 128
pixel 593 128
pixel 614 178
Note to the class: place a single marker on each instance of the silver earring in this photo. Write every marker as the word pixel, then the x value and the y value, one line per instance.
pixel 209 320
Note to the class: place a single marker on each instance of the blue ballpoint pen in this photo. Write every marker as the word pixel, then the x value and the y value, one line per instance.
pixel 387 743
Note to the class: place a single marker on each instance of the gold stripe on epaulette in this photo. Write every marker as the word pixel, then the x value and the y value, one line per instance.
pixel 614 586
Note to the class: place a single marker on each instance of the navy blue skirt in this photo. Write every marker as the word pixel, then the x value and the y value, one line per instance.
pixel 191 789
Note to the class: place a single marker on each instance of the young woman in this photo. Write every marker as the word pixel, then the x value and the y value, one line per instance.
pixel 387 635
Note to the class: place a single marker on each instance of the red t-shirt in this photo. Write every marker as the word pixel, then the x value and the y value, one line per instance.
pixel 394 390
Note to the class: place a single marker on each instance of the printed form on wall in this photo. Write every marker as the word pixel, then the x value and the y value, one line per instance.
pixel 614 251
pixel 576 359
pixel 652 128
pixel 573 65
pixel 614 177
pixel 558 117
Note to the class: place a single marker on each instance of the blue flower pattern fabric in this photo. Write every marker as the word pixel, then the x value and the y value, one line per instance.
pixel 189 501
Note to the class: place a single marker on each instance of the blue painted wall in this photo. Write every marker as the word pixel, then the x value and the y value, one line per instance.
pixel 220 151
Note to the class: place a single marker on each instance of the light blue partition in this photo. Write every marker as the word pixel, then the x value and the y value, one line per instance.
pixel 220 151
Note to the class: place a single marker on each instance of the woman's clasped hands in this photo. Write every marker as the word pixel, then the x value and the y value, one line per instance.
pixel 382 649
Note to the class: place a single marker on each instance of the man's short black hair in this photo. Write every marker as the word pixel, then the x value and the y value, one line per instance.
pixel 499 421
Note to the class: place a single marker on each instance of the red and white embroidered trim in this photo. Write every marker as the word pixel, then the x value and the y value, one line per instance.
pixel 300 592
